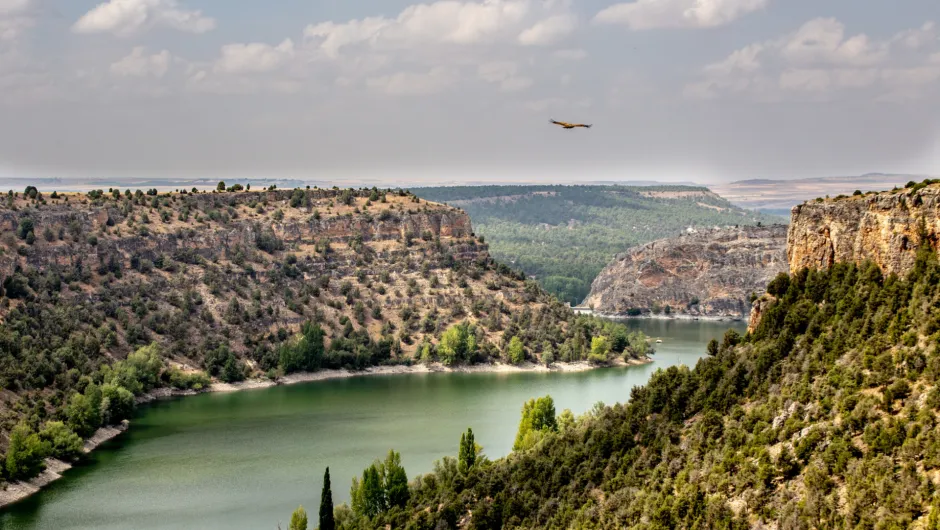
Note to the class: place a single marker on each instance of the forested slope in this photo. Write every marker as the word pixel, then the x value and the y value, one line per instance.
pixel 565 235
pixel 108 295
pixel 825 415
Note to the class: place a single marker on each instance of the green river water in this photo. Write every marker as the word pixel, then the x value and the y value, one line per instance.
pixel 247 459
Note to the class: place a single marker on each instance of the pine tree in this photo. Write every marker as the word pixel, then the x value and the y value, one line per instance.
pixel 326 504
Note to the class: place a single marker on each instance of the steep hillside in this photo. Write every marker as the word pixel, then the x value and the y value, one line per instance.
pixel 107 296
pixel 886 228
pixel 565 235
pixel 825 415
pixel 712 272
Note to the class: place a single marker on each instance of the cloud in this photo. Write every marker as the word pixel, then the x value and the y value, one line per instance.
pixel 12 7
pixel 414 84
pixel 823 41
pixel 548 31
pixel 138 64
pixel 254 57
pixel 918 38
pixel 127 17
pixel 504 74
pixel 14 18
pixel 743 60
pixel 449 22
pixel 654 14
pixel 820 57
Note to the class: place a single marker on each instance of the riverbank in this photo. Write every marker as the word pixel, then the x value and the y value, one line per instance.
pixel 16 491
pixel 497 367
pixel 673 316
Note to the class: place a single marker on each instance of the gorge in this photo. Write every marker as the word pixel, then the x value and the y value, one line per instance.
pixel 701 272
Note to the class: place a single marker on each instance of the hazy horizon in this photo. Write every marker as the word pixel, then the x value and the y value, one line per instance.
pixel 677 90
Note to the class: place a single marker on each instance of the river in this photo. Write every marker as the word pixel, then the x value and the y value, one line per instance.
pixel 247 459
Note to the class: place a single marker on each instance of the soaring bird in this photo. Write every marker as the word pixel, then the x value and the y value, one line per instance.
pixel 566 125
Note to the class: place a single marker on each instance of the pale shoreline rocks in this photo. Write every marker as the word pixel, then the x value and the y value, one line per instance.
pixel 16 491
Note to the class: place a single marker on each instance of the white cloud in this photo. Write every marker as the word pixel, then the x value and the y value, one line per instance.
pixel 823 41
pixel 138 64
pixel 817 58
pixel 14 18
pixel 12 7
pixel 911 77
pixel 918 38
pixel 414 84
pixel 127 17
pixel 254 57
pixel 505 74
pixel 548 31
pixel 653 14
pixel 455 22
pixel 811 80
pixel 743 60
pixel 334 36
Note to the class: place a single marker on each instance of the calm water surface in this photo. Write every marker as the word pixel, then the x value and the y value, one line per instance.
pixel 247 459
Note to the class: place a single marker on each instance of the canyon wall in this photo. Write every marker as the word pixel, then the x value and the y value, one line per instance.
pixel 710 272
pixel 886 228
pixel 90 234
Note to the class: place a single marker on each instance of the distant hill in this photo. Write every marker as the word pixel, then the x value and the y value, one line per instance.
pixel 108 296
pixel 565 235
pixel 777 197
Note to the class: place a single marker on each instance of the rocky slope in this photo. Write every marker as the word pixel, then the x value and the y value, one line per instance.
pixel 108 297
pixel 706 272
pixel 886 228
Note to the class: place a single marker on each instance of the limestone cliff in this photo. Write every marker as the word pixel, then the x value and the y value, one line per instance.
pixel 227 222
pixel 885 227
pixel 708 272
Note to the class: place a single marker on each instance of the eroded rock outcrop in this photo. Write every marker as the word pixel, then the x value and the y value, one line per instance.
pixel 886 228
pixel 708 272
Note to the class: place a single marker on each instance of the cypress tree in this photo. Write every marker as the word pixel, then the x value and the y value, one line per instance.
pixel 326 504
pixel 468 454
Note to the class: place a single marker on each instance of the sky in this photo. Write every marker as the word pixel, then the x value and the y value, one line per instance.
pixel 462 90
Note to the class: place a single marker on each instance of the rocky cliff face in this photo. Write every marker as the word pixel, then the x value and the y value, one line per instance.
pixel 886 228
pixel 709 272
pixel 92 234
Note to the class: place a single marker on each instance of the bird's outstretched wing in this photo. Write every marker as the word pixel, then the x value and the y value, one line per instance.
pixel 567 125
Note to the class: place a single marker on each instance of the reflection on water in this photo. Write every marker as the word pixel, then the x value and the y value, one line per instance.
pixel 247 459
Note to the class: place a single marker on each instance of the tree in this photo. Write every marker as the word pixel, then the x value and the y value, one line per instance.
pixel 220 186
pixel 326 504
pixel 396 481
pixel 457 343
pixel 83 412
pixel 62 442
pixel 600 347
pixel 298 519
pixel 368 495
pixel 712 347
pixel 467 455
pixel 515 352
pixel 25 453
pixel 538 417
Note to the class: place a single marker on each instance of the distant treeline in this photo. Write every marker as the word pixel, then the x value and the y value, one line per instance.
pixel 565 235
